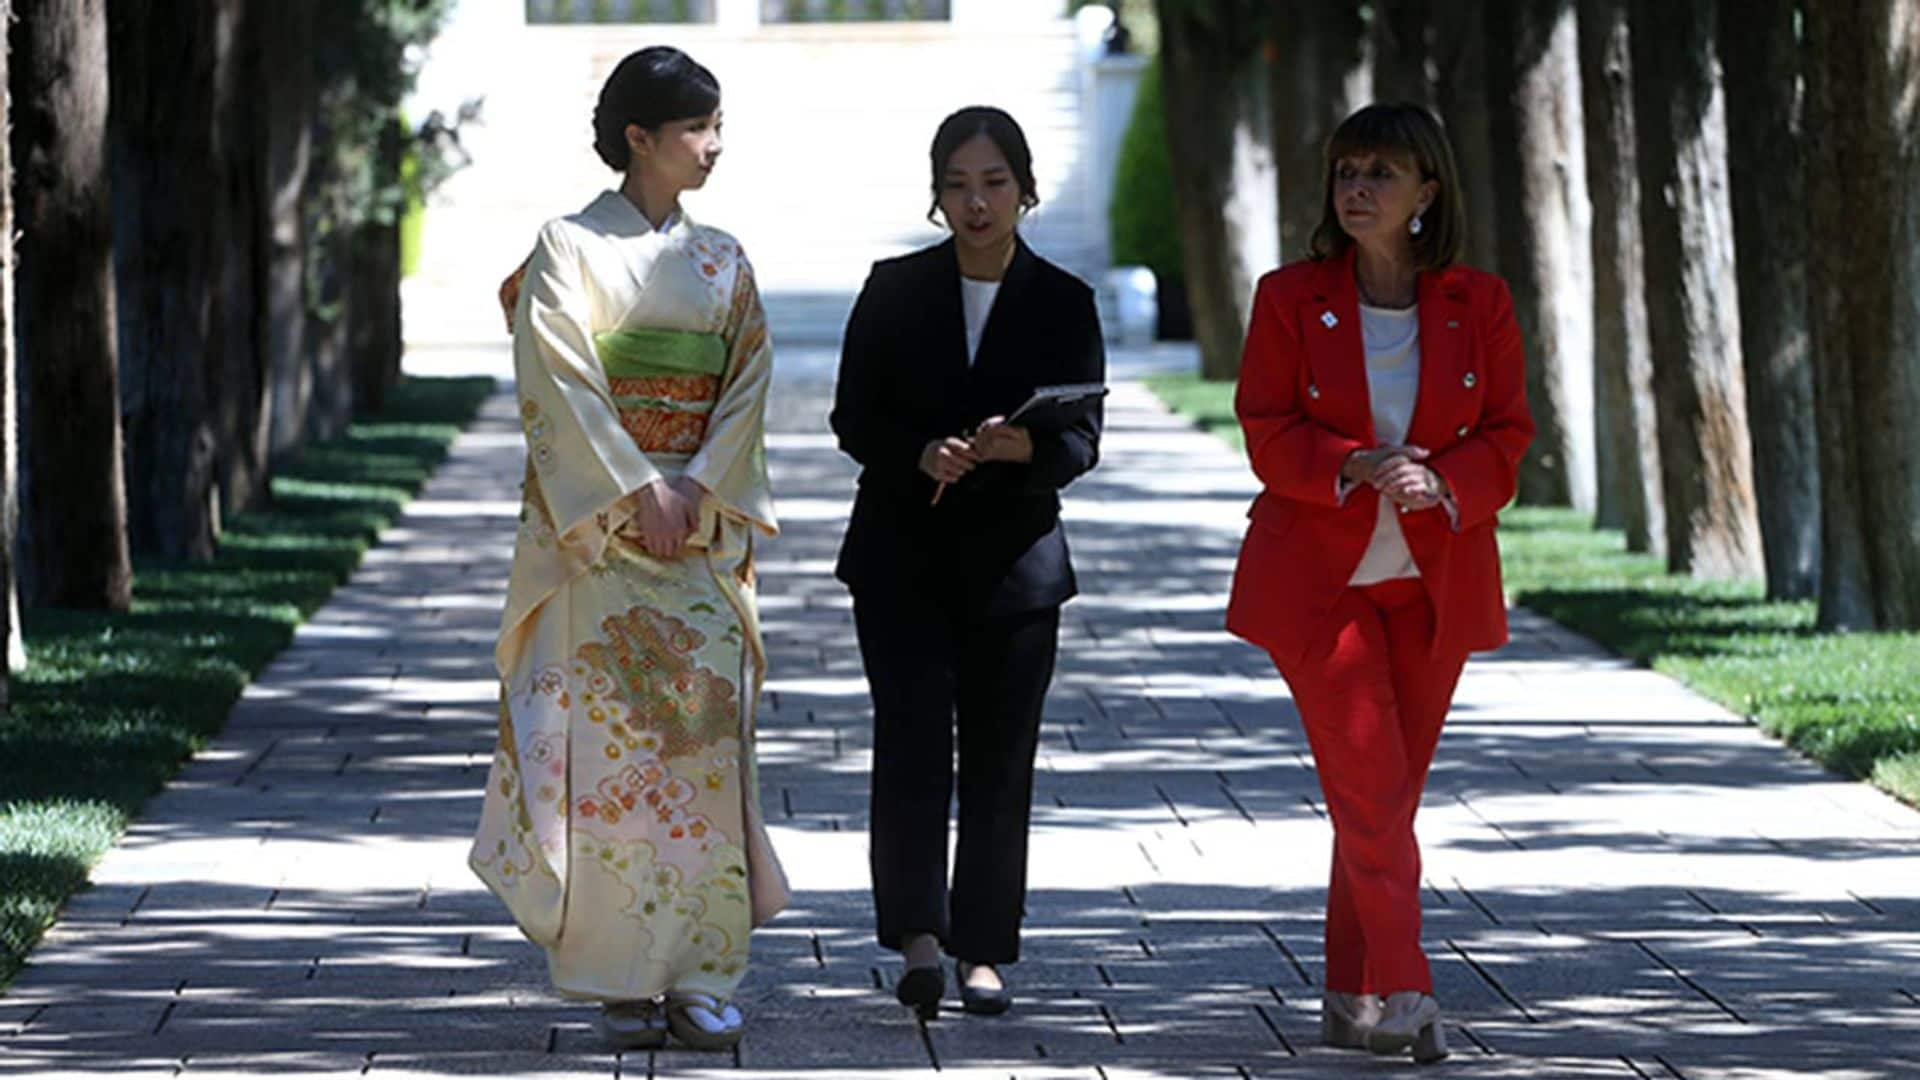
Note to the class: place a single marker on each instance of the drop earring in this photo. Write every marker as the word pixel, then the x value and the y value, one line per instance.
pixel 1414 226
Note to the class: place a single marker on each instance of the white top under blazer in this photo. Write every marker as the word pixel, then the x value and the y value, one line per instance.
pixel 1392 341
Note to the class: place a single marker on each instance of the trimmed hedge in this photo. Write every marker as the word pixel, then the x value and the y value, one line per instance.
pixel 112 703
pixel 1141 223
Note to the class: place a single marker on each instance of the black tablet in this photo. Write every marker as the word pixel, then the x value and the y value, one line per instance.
pixel 1054 407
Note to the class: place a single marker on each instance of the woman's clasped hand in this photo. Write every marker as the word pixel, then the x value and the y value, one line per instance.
pixel 1397 473
pixel 666 512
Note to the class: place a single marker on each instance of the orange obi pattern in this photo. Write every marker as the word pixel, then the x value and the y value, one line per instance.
pixel 666 413
pixel 664 384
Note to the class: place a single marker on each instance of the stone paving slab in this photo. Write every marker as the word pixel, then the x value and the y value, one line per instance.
pixel 1622 879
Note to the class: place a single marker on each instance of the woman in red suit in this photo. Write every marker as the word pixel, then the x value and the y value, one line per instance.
pixel 1382 392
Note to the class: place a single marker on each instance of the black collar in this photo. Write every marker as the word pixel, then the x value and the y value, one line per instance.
pixel 1019 270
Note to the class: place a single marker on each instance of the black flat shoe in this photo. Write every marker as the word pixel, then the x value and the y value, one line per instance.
pixel 921 987
pixel 980 1001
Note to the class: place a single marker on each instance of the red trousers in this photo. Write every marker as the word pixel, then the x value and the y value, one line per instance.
pixel 1372 699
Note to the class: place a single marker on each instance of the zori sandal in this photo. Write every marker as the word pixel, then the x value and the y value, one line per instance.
pixel 633 1025
pixel 703 1021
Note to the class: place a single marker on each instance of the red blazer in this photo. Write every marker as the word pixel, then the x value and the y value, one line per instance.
pixel 1303 403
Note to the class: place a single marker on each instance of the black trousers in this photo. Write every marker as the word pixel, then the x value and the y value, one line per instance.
pixel 930 665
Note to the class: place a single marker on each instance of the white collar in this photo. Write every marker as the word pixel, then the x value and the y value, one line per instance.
pixel 614 210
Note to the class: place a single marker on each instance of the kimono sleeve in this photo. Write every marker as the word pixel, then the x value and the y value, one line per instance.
pixel 731 463
pixel 586 462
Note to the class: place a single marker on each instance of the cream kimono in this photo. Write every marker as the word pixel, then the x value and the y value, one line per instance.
pixel 622 822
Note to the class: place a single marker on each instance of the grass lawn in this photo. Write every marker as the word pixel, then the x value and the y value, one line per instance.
pixel 111 705
pixel 1850 701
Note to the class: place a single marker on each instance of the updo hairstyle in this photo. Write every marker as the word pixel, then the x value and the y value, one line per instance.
pixel 655 86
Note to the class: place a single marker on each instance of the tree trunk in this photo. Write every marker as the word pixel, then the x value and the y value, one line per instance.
pixel 241 388
pixel 1545 235
pixel 1863 77
pixel 375 307
pixel 1459 43
pixel 333 205
pixel 1403 52
pixel 1760 66
pixel 1322 72
pixel 186 337
pixel 1628 449
pixel 1706 457
pixel 374 336
pixel 9 630
pixel 75 553
pixel 329 343
pixel 289 98
pixel 1223 182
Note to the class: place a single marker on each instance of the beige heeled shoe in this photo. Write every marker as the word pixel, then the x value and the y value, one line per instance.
pixel 1346 1018
pixel 1409 1020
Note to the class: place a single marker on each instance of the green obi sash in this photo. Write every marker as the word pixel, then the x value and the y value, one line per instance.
pixel 650 353
pixel 664 383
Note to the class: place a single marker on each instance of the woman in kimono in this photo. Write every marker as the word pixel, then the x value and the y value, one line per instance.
pixel 622 824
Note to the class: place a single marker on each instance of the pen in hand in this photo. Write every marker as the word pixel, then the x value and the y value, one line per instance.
pixel 947 460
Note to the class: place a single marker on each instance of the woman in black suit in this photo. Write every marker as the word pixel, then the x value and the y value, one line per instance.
pixel 955 554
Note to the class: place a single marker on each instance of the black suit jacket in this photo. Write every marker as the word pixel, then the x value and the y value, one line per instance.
pixel 904 381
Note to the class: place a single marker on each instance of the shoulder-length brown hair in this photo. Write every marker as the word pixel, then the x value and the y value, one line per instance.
pixel 1411 134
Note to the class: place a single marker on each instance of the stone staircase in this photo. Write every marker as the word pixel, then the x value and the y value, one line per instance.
pixel 826 169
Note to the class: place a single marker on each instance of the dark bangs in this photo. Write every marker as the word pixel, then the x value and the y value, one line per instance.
pixel 1410 135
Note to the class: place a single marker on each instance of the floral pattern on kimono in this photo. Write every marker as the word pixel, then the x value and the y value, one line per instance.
pixel 622 823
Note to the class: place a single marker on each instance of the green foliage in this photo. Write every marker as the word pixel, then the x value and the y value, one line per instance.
pixel 1143 227
pixel 1849 701
pixel 1208 403
pixel 413 221
pixel 369 57
pixel 1900 774
pixel 413 218
pixel 111 704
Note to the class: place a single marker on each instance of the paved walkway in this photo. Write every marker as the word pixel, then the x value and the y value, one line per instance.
pixel 1622 879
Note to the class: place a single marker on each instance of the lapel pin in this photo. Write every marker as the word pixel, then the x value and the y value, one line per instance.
pixel 1453 324
pixel 1328 319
